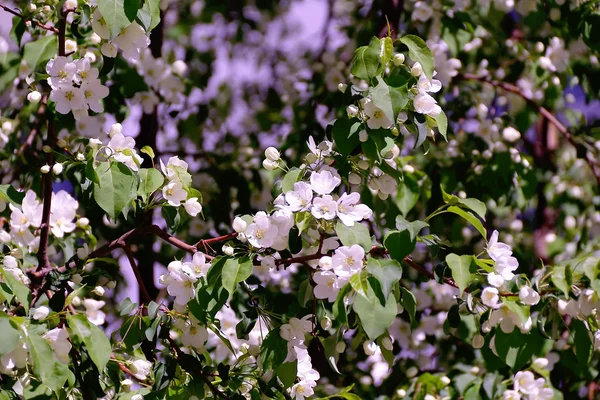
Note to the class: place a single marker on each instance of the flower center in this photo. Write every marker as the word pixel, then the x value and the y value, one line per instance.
pixel 69 95
pixel 260 234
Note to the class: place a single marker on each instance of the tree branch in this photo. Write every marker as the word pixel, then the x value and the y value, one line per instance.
pixel 543 111
pixel 36 23
pixel 138 276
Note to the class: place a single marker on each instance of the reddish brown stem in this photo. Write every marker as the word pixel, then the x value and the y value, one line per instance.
pixel 138 276
pixel 36 23
pixel 543 111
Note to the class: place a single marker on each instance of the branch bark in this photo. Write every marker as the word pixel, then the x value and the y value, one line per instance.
pixel 36 23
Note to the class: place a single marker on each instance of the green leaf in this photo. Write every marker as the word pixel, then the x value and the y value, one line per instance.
pixel 386 271
pixel 356 234
pixel 148 150
pixel 477 206
pixel 583 342
pixel 409 303
pixel 117 188
pixel 366 63
pixel 10 194
pixel 387 50
pixel 345 135
pixel 113 12
pixel 418 51
pixel 288 181
pixel 408 193
pixel 442 123
pixel 150 180
pixel 149 14
pixel 381 98
pixel 305 292
pixel 303 220
pixel 131 8
pixel 463 268
pixel 287 373
pixel 519 310
pixel 559 278
pixel 51 372
pixel 22 292
pixel 40 50
pixel 339 306
pixel 472 219
pixel 399 244
pixel 412 227
pixel 273 350
pixel 516 348
pixel 375 318
pixel 10 336
pixel 95 340
pixel 359 282
pixel 126 307
pixel 331 354
pixel 18 29
pixel 423 130
pixel 234 272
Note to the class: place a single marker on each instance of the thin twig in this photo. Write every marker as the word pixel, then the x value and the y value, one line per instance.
pixel 36 23
pixel 138 276
pixel 547 114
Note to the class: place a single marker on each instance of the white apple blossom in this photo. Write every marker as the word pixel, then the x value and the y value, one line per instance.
pixel 239 225
pixel 321 150
pixel 528 296
pixel 192 206
pixel 62 213
pixel 324 207
pixel 122 149
pixel 131 40
pixel 194 336
pixel 41 313
pixel 328 285
pixel 262 232
pixel 348 260
pixel 323 182
pixel 180 281
pixel 425 104
pixel 350 211
pixel 199 265
pixel 141 368
pixel 92 311
pixel 490 297
pixel 376 117
pixel 302 390
pixel 300 198
pixel 59 341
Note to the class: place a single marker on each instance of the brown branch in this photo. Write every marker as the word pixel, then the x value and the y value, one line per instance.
pixel 158 231
pixel 36 23
pixel 208 242
pixel 215 391
pixel 43 260
pixel 543 111
pixel 124 368
pixel 301 259
pixel 138 276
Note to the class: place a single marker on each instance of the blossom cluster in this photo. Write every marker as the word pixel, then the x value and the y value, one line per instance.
pixel 176 189
pixel 75 86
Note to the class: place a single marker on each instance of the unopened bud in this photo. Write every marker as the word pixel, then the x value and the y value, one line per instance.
pixel 352 110
pixel 398 59
pixel 272 154
pixel 57 168
pixel 34 97
pixel 45 169
pixel 342 87
pixel 109 50
pixel 325 322
pixel 416 69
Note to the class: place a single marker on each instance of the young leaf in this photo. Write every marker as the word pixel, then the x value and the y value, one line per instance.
pixel 117 188
pixel 375 318
pixel 293 176
pixel 442 123
pixel 40 50
pixel 21 292
pixel 10 336
pixel 234 272
pixel 386 271
pixel 418 51
pixel 95 340
pixel 113 12
pixel 273 350
pixel 462 268
pixel 8 193
pixel 399 244
pixel 356 234
pixel 150 180
pixel 366 63
pixel 469 218
pixel 51 372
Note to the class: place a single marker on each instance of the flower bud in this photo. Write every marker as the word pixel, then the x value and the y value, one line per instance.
pixel 109 50
pixel 114 129
pixel 387 344
pixel 180 68
pixel 363 136
pixel 95 38
pixel 474 370
pixel 342 87
pixel 80 157
pixel 270 165
pixel 126 385
pixel 61 143
pixel 70 4
pixel 45 169
pixel 354 178
pixel 370 347
pixel 47 149
pixel 228 250
pixel 478 341
pixel 57 168
pixel 363 164
pixel 76 278
pixel 99 290
pixel 416 69
pixel 340 347
pixel 398 59
pixel 445 380
pixel 31 7
pixel 325 322
pixel 395 131
pixel 272 154
pixel 111 284
pixel 510 134
pixel 34 97
pixel 352 110
pixel 239 225
pixel 41 313
pixel 401 392
pixel 412 372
